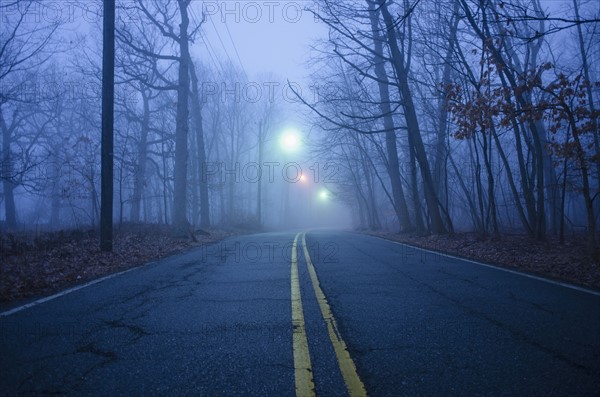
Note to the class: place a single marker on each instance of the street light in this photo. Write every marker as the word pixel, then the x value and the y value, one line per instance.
pixel 324 195
pixel 290 141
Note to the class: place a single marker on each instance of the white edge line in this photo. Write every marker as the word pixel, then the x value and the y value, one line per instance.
pixel 68 291
pixel 99 280
pixel 539 278
pixel 82 286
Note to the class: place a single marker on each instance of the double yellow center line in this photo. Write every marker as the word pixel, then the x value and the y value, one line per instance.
pixel 305 386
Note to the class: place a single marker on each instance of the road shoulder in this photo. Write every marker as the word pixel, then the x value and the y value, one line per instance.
pixel 566 263
pixel 38 267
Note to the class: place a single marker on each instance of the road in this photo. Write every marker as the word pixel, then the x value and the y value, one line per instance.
pixel 323 312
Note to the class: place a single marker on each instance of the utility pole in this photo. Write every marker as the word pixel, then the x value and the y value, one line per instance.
pixel 108 104
pixel 260 161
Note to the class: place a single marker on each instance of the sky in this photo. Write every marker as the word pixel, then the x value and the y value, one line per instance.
pixel 261 36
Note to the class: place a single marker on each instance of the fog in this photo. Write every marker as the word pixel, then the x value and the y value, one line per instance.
pixel 420 117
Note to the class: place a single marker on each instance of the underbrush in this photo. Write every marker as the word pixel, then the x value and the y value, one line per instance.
pixel 570 261
pixel 39 263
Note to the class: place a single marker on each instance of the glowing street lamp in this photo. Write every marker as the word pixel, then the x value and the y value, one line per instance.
pixel 323 195
pixel 290 141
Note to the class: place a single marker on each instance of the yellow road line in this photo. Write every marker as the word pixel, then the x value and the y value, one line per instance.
pixel 347 367
pixel 305 386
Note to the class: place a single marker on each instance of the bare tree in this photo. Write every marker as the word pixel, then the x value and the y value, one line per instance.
pixel 24 47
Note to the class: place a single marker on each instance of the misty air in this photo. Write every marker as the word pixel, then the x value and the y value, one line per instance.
pixel 299 198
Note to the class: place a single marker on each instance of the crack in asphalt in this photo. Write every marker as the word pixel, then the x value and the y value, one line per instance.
pixel 136 330
pixel 109 355
pixel 515 333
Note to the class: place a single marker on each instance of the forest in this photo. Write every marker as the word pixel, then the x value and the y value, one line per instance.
pixel 422 117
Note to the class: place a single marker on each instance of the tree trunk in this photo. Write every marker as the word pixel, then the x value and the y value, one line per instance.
pixel 440 145
pixel 10 211
pixel 487 160
pixel 511 183
pixel 374 222
pixel 590 95
pixel 414 187
pixel 201 148
pixel 467 193
pixel 587 197
pixel 108 104
pixel 478 183
pixel 259 182
pixel 412 123
pixel 561 232
pixel 179 222
pixel 400 206
pixel 140 172
pixel 8 185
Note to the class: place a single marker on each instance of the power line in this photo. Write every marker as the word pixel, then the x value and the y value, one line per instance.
pixel 213 58
pixel 209 48
pixel 220 40
pixel 213 54
pixel 235 49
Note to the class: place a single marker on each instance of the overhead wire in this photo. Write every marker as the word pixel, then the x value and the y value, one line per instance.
pixel 235 49
pixel 209 48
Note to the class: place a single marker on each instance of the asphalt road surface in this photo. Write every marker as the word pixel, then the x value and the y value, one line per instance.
pixel 322 313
